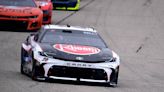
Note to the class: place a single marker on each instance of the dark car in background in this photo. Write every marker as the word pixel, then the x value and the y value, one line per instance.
pixel 66 4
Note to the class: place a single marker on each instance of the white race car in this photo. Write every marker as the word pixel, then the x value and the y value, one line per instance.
pixel 69 53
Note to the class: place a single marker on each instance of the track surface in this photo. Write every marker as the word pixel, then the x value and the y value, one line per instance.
pixel 133 28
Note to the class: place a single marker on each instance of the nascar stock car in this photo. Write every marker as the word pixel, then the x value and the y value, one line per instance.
pixel 69 53
pixel 22 14
pixel 66 4
pixel 47 7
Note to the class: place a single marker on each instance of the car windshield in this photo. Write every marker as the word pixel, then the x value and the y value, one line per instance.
pixel 24 3
pixel 87 38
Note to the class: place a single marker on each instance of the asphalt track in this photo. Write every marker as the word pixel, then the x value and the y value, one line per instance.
pixel 133 28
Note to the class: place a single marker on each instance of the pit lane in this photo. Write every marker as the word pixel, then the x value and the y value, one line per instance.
pixel 133 28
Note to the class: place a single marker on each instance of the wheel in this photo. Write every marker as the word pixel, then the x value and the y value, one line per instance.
pixel 114 78
pixel 37 73
pixel 22 61
pixel 33 72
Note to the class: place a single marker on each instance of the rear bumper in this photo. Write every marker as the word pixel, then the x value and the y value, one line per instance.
pixel 64 4
pixel 74 5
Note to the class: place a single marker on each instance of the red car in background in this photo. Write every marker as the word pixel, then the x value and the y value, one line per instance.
pixel 21 14
pixel 47 7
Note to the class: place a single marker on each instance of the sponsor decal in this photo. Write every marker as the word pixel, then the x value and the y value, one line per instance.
pixel 19 10
pixel 77 49
pixel 79 58
pixel 78 64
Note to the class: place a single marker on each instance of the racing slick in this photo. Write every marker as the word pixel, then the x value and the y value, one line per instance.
pixel 69 53
pixel 47 7
pixel 66 4
pixel 21 14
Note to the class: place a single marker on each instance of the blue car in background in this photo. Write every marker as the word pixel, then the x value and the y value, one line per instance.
pixel 66 4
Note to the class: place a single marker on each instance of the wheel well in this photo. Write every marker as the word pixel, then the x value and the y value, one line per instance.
pixel 114 75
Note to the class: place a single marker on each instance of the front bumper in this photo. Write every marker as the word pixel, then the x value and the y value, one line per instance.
pixel 77 71
pixel 53 68
pixel 74 73
pixel 21 23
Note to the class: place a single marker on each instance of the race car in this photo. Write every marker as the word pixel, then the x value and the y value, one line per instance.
pixel 22 14
pixel 66 4
pixel 47 7
pixel 69 53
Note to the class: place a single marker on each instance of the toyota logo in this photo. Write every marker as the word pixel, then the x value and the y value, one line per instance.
pixel 79 58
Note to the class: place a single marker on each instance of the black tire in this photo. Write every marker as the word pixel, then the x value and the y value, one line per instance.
pixel 22 61
pixel 114 78
pixel 117 73
pixel 33 72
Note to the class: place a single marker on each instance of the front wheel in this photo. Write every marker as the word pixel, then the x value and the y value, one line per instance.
pixel 37 72
pixel 114 78
pixel 33 72
pixel 22 61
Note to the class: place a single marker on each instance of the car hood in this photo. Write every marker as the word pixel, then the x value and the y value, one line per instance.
pixel 19 11
pixel 77 53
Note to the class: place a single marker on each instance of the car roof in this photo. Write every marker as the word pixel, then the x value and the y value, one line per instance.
pixel 68 27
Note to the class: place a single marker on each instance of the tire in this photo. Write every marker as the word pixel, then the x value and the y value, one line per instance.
pixel 114 78
pixel 22 61
pixel 33 72
pixel 117 73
